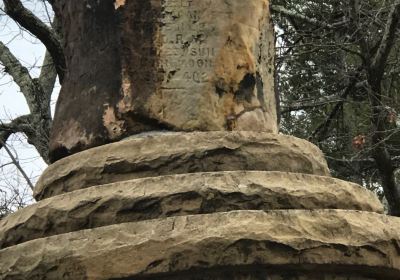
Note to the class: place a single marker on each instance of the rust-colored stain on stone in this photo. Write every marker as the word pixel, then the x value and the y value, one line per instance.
pixel 119 3
pixel 114 126
pixel 75 133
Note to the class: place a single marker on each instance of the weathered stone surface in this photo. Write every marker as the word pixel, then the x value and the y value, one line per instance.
pixel 177 195
pixel 177 153
pixel 163 64
pixel 323 241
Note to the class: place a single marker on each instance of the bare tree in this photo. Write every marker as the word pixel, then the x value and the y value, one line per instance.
pixel 37 92
pixel 13 194
pixel 357 44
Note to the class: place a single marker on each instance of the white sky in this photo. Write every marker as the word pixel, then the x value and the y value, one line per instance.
pixel 12 103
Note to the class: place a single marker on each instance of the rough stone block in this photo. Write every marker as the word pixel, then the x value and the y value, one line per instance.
pixel 177 153
pixel 177 195
pixel 331 244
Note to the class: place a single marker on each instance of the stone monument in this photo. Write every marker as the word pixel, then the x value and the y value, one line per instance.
pixel 168 164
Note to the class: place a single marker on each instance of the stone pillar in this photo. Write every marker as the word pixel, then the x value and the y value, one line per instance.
pixel 218 204
pixel 178 65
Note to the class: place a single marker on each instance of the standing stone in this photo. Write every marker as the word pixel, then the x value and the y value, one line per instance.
pixel 181 65
pixel 218 205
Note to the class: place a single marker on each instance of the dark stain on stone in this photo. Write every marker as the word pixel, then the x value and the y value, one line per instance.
pixel 140 22
pixel 101 43
pixel 171 74
pixel 154 264
pixel 231 122
pixel 221 87
pixel 140 122
pixel 246 88
pixel 60 152
pixel 258 270
pixel 260 90
pixel 90 29
pixel 150 206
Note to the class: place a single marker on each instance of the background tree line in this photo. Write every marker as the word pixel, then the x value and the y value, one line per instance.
pixel 337 71
pixel 338 75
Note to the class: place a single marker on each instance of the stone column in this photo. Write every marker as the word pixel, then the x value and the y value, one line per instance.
pixel 178 65
pixel 235 201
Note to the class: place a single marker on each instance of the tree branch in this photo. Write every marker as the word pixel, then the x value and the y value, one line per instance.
pixel 367 161
pixel 387 170
pixel 19 124
pixel 48 77
pixel 380 153
pixel 386 45
pixel 37 93
pixel 36 128
pixel 20 75
pixel 322 101
pixel 357 29
pixel 4 135
pixel 33 24
pixel 323 129
pixel 51 2
pixel 301 105
pixel 299 16
pixel 376 71
pixel 17 164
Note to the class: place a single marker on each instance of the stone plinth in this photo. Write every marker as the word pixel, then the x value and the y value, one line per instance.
pixel 148 65
pixel 178 153
pixel 179 195
pixel 320 243
pixel 217 216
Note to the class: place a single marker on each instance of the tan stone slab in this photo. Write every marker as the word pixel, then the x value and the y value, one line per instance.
pixel 177 195
pixel 177 153
pixel 321 240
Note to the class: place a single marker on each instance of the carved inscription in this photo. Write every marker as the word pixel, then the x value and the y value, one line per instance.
pixel 189 55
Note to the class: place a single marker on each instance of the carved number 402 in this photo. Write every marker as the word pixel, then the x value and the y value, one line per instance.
pixel 198 77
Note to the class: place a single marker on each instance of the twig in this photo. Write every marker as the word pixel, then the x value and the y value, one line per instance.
pixel 16 163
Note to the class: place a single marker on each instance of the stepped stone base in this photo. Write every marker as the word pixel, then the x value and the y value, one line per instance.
pixel 178 153
pixel 361 244
pixel 177 195
pixel 196 206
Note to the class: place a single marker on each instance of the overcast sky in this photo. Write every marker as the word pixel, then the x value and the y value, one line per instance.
pixel 12 103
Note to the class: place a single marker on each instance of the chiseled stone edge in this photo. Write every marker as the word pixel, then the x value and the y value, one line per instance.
pixel 275 272
pixel 178 153
pixel 177 195
pixel 320 239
